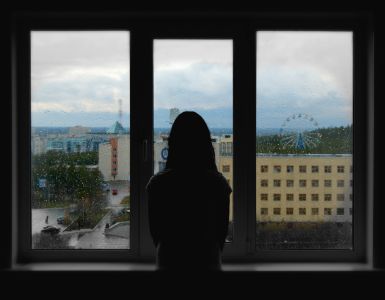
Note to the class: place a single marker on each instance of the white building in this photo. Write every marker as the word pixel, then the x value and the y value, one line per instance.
pixel 38 144
pixel 78 130
pixel 114 158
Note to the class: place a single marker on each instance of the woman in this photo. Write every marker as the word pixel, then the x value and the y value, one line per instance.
pixel 189 200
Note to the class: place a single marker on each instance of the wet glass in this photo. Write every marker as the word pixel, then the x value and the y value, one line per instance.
pixel 304 129
pixel 80 141
pixel 195 75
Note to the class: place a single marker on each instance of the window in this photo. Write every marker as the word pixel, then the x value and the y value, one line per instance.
pixel 340 183
pixel 272 95
pixel 314 211
pixel 302 183
pixel 340 169
pixel 303 137
pixel 314 183
pixel 289 183
pixel 327 183
pixel 277 197
pixel 328 169
pixel 340 197
pixel 225 168
pixel 277 211
pixel 289 211
pixel 289 169
pixel 302 211
pixel 328 197
pixel 314 197
pixel 195 75
pixel 327 211
pixel 77 78
pixel 340 211
pixel 302 197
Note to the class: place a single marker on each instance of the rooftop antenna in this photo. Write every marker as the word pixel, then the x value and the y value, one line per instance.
pixel 120 111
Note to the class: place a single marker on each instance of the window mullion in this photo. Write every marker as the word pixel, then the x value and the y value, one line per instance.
pixel 244 142
pixel 142 131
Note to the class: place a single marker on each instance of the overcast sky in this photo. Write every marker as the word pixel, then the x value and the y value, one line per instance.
pixel 78 77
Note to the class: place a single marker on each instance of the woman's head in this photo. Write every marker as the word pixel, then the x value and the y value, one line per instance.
pixel 190 143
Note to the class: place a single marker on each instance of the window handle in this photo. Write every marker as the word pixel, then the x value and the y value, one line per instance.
pixel 145 150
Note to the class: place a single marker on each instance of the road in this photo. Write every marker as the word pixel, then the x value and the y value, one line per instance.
pixel 94 239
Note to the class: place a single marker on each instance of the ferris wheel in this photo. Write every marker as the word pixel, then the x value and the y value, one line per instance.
pixel 298 131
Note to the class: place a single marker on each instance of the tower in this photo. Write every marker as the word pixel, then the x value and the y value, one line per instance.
pixel 120 111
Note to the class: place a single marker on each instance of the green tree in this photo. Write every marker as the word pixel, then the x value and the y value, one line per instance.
pixel 68 177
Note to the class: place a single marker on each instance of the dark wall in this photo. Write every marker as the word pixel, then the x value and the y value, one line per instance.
pixel 103 279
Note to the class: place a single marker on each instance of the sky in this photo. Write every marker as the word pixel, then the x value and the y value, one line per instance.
pixel 77 78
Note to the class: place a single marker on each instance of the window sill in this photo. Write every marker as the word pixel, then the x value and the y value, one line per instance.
pixel 227 267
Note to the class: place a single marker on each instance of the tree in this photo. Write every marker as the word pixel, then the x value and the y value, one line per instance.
pixel 68 177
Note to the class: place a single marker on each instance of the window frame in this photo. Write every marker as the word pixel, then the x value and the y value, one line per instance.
pixel 242 29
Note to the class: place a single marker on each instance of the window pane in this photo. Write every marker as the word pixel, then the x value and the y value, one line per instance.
pixel 80 140
pixel 195 75
pixel 304 125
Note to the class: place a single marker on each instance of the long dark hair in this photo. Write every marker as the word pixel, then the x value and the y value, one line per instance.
pixel 190 144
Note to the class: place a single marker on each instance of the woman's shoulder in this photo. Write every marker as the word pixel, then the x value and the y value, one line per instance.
pixel 213 177
pixel 158 177
pixel 220 180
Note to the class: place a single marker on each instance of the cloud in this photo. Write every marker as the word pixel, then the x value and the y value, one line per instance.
pixel 330 54
pixel 79 71
pixel 79 77
pixel 284 91
pixel 198 86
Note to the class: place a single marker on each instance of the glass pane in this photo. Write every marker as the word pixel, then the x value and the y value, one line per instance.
pixel 195 75
pixel 304 129
pixel 80 142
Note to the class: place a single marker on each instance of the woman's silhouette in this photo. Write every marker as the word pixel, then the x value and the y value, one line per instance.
pixel 189 200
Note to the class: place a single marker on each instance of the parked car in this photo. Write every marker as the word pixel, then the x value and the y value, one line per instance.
pixel 114 191
pixel 106 187
pixel 50 229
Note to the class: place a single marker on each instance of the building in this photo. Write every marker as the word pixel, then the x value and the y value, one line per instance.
pixel 298 188
pixel 304 188
pixel 114 158
pixel 289 188
pixel 116 128
pixel 70 144
pixel 160 153
pixel 78 130
pixel 38 144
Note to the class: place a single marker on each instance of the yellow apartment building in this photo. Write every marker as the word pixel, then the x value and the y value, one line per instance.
pixel 300 188
pixel 289 188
